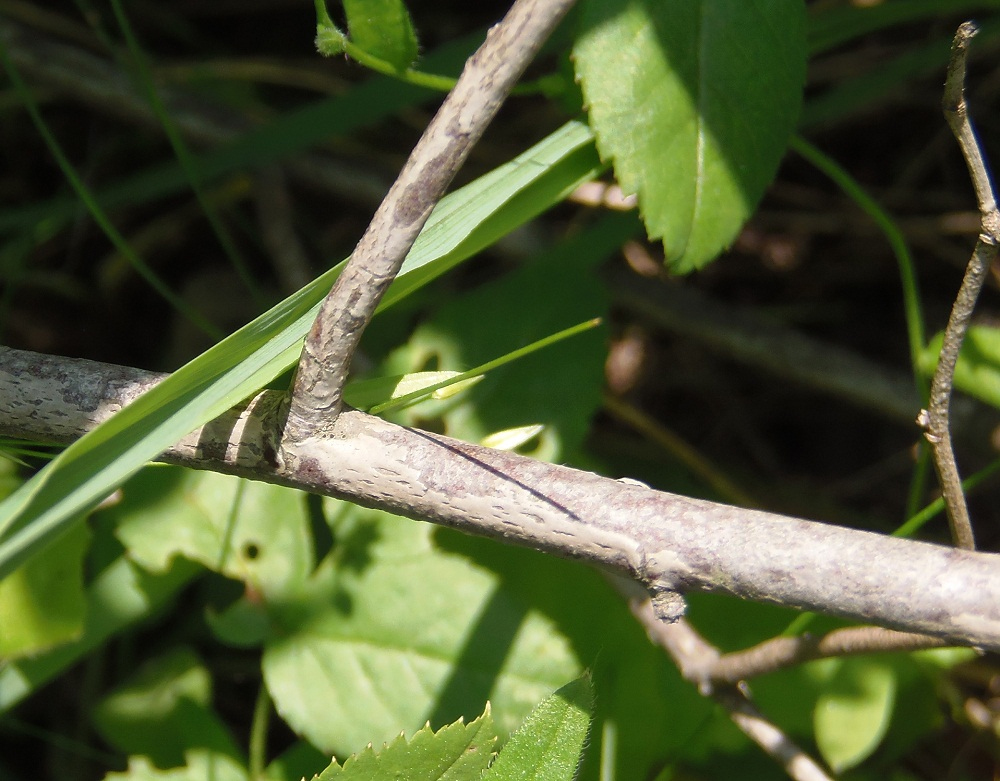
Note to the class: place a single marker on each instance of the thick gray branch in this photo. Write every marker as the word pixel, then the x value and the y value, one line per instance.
pixel 665 541
pixel 486 80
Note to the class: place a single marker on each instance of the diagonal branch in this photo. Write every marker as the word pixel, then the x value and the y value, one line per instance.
pixel 669 543
pixel 936 419
pixel 488 76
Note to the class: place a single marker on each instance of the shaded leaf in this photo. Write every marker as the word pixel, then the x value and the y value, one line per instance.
pixel 854 709
pixel 693 101
pixel 164 711
pixel 978 370
pixel 382 28
pixel 43 602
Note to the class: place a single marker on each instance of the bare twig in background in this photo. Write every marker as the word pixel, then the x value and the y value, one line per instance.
pixel 936 419
pixel 86 78
pixel 781 652
pixel 276 216
pixel 485 82
pixel 692 653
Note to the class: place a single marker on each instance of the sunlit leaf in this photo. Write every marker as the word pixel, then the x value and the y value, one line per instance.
pixel 360 654
pixel 163 711
pixel 250 531
pixel 42 604
pixel 693 101
pixel 458 752
pixel 201 766
pixel 512 438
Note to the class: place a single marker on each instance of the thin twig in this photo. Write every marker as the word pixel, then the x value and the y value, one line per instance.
pixel 936 418
pixel 488 76
pixel 692 653
pixel 781 652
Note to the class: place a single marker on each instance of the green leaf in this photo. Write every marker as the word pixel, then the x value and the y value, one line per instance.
pixel 119 596
pixel 549 745
pixel 693 101
pixel 458 752
pixel 164 711
pixel 383 28
pixel 853 710
pixel 978 370
pixel 560 387
pixel 365 394
pixel 42 604
pixel 249 531
pixel 391 632
pixel 232 370
pixel 201 766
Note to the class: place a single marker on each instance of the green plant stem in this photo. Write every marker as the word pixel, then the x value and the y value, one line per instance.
pixel 184 157
pixel 918 520
pixel 96 212
pixel 915 329
pixel 416 395
pixel 258 734
pixel 908 277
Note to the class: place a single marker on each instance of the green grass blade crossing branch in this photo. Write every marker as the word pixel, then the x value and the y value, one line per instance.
pixel 235 368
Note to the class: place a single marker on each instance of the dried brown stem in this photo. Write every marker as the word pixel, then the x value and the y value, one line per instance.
pixel 488 77
pixel 936 419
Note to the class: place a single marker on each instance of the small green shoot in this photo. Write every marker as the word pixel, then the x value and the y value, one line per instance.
pixel 482 369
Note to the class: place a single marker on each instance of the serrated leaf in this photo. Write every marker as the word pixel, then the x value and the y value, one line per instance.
pixel 853 710
pixel 383 28
pixel 549 745
pixel 457 752
pixel 391 632
pixel 978 370
pixel 43 602
pixel 693 101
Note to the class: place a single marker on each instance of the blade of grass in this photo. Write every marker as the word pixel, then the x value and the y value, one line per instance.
pixel 841 23
pixel 282 137
pixel 915 328
pixel 415 396
pixel 96 212
pixel 244 362
pixel 184 156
